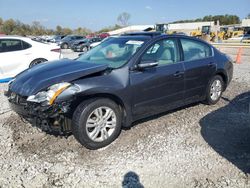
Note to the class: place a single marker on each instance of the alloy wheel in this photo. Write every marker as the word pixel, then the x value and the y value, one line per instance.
pixel 101 124
pixel 216 89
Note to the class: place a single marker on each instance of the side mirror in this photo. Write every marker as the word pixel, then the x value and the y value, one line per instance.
pixel 147 64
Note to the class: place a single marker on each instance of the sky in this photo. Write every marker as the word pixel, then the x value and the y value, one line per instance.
pixel 96 14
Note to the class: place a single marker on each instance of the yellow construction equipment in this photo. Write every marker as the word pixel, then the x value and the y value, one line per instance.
pixel 235 31
pixel 208 32
pixel 205 33
pixel 196 33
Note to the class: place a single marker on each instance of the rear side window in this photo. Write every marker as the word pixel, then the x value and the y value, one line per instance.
pixel 9 45
pixel 25 45
pixel 194 50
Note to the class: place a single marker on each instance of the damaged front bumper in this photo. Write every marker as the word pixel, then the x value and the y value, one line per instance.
pixel 50 118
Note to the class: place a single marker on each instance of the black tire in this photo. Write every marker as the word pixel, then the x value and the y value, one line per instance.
pixel 37 61
pixel 209 99
pixel 64 46
pixel 79 120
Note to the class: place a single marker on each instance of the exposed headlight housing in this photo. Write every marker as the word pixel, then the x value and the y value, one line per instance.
pixel 50 95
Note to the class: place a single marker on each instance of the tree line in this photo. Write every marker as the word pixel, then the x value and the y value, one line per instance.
pixel 16 27
pixel 223 19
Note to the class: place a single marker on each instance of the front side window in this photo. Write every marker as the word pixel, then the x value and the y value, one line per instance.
pixel 164 52
pixel 114 51
pixel 194 50
pixel 9 45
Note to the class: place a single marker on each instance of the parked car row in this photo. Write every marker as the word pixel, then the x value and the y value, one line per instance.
pixel 80 43
pixel 47 39
pixel 56 38
pixel 74 42
pixel 84 45
pixel 67 41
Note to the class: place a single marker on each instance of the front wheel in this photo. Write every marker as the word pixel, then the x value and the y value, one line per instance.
pixel 214 90
pixel 97 123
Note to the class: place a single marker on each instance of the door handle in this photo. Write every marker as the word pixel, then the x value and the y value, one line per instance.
pixel 178 74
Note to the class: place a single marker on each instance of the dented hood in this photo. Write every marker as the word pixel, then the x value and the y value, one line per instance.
pixel 41 76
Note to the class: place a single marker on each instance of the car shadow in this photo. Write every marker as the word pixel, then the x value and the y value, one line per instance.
pixel 227 131
pixel 131 180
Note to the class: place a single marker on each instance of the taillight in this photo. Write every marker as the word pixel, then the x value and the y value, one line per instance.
pixel 56 50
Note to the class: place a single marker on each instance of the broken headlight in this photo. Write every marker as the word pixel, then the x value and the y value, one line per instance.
pixel 50 95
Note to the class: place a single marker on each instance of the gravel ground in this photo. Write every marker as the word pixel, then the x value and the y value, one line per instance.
pixel 195 146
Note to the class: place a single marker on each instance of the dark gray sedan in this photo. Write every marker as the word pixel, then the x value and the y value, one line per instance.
pixel 123 79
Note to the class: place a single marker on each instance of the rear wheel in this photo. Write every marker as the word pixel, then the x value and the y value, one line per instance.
pixel 37 61
pixel 214 91
pixel 97 123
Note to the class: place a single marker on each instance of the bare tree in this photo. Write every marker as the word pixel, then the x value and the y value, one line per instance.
pixel 123 18
pixel 248 16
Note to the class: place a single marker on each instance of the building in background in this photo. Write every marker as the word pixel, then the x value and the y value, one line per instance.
pixel 245 23
pixel 132 28
pixel 189 27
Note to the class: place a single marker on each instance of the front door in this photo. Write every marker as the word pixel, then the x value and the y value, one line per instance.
pixel 159 88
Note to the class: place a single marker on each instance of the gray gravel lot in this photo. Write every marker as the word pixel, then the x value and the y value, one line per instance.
pixel 195 146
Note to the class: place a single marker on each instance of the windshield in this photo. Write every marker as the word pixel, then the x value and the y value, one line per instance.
pixel 114 51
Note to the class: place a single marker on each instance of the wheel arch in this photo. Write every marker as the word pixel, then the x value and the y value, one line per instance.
pixel 38 58
pixel 125 111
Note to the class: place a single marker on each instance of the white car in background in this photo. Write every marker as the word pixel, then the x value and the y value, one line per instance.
pixel 19 53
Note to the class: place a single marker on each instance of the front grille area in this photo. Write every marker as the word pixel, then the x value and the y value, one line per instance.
pixel 48 118
pixel 18 103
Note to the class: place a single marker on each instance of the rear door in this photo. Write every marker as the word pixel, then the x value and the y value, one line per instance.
pixel 199 67
pixel 158 88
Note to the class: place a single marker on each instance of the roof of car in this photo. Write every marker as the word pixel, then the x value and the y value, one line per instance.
pixel 13 37
pixel 152 34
